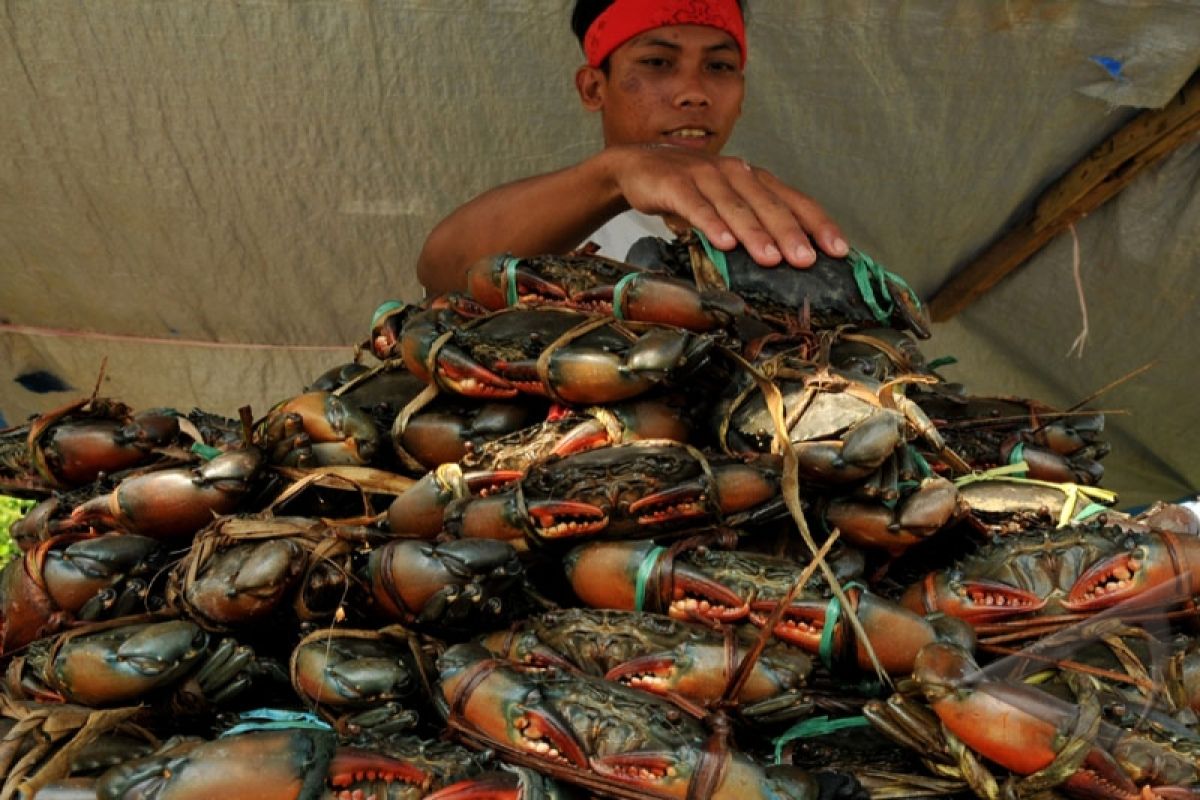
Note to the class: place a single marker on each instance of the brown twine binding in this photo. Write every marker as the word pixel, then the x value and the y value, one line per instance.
pixel 400 425
pixel 790 487
pixel 589 324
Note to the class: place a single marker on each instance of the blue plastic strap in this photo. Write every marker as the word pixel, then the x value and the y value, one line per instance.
pixel 815 726
pixel 510 279
pixel 643 575
pixel 276 719
pixel 716 256
pixel 384 310
pixel 619 294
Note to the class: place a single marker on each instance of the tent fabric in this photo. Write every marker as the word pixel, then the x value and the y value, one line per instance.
pixel 211 199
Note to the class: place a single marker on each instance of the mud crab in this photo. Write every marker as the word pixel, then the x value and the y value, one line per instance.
pixel 122 661
pixel 174 503
pixel 1027 584
pixel 833 292
pixel 622 491
pixel 1048 740
pixel 600 735
pixel 315 429
pixel 446 584
pixel 663 656
pixel 588 282
pixel 993 431
pixel 564 355
pixel 722 587
pixel 72 578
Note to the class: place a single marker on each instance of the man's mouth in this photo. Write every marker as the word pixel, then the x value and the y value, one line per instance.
pixel 689 137
pixel 689 133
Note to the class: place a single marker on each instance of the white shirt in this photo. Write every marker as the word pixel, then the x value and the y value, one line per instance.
pixel 616 236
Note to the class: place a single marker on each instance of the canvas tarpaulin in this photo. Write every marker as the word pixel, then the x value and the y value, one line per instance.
pixel 213 197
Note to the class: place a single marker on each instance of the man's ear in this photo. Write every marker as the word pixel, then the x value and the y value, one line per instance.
pixel 590 82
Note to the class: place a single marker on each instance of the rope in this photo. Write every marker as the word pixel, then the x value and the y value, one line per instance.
pixel 169 341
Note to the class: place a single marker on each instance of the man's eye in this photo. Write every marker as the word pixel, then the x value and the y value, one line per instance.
pixel 655 62
pixel 722 66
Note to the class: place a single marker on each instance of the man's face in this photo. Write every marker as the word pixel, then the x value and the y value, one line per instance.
pixel 679 85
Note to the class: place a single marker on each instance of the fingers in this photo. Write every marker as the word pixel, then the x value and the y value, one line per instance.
pixel 730 201
pixel 774 222
pixel 812 218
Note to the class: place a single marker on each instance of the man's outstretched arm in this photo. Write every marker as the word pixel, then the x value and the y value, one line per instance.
pixel 726 198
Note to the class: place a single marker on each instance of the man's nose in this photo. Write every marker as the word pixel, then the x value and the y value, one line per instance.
pixel 691 93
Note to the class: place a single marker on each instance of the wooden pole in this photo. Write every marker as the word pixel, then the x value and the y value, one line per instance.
pixel 1147 138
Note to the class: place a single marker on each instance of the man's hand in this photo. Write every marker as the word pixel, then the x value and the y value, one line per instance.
pixel 729 200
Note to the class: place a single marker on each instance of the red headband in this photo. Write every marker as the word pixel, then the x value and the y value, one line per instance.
pixel 625 19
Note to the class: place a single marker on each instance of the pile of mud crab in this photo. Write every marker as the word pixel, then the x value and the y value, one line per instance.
pixel 673 528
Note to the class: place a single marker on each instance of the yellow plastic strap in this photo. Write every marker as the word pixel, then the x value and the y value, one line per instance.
pixel 1074 492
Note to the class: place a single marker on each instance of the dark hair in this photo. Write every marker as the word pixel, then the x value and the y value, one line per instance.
pixel 586 11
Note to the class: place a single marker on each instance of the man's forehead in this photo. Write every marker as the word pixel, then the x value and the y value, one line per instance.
pixel 702 36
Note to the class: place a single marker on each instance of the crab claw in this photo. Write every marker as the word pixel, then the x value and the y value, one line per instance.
pixel 488 283
pixel 802 623
pixel 672 505
pixel 1015 725
pixel 700 599
pixel 1127 575
pixel 974 601
pixel 656 772
pixel 421 510
pixel 566 519
pixel 461 374
pixel 489 697
pixel 671 301
pixel 351 765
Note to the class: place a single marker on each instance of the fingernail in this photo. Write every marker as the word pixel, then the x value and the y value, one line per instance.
pixel 840 247
pixel 804 253
pixel 727 239
pixel 772 251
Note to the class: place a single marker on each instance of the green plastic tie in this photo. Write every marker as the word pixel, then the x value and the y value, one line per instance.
pixel 867 270
pixel 1089 511
pixel 205 451
pixel 816 726
pixel 510 279
pixel 619 294
pixel 643 575
pixel 717 257
pixel 944 361
pixel 1017 456
pixel 276 719
pixel 384 310
pixel 833 612
pixel 922 465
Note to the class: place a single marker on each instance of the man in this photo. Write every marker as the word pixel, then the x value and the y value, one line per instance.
pixel 666 77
